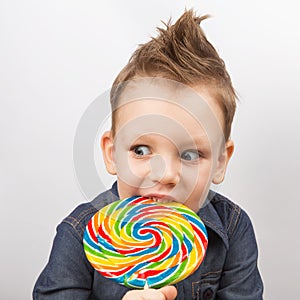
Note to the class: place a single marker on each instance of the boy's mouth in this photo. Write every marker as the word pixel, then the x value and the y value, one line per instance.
pixel 160 198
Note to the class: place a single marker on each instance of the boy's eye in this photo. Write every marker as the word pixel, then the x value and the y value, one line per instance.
pixel 141 150
pixel 190 155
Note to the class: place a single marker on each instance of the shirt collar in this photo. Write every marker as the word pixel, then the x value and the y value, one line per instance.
pixel 212 220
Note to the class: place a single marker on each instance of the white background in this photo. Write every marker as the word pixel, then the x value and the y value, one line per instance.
pixel 57 56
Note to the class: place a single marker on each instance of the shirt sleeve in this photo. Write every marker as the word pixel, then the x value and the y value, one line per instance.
pixel 67 274
pixel 241 279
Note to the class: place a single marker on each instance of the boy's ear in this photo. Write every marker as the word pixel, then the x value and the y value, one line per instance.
pixel 107 146
pixel 222 162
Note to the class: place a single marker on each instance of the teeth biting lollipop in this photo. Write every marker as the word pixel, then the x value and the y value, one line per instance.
pixel 138 240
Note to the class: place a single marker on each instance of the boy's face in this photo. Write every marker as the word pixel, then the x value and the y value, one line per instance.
pixel 168 144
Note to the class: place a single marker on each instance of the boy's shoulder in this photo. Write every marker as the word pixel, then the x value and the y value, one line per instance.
pixel 80 216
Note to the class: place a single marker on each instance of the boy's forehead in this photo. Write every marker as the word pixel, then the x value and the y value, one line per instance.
pixel 154 97
pixel 196 99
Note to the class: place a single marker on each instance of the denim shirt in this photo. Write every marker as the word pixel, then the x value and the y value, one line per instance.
pixel 228 271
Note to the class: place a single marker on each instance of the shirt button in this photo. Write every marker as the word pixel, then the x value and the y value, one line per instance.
pixel 208 294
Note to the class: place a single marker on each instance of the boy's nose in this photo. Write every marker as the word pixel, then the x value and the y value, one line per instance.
pixel 165 170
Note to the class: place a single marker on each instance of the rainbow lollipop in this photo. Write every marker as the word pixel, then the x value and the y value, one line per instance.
pixel 137 241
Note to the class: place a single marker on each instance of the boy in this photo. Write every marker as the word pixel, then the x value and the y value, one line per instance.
pixel 172 109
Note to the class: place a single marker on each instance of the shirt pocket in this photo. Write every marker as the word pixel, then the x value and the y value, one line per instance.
pixel 206 288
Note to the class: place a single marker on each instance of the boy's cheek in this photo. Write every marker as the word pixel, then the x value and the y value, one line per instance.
pixel 130 171
pixel 197 179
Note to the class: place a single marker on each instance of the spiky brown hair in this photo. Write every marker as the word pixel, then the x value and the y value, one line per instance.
pixel 181 52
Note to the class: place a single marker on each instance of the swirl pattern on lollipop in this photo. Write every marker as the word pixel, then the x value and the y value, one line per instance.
pixel 137 240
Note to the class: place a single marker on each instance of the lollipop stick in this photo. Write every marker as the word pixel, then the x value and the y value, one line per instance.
pixel 146 286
